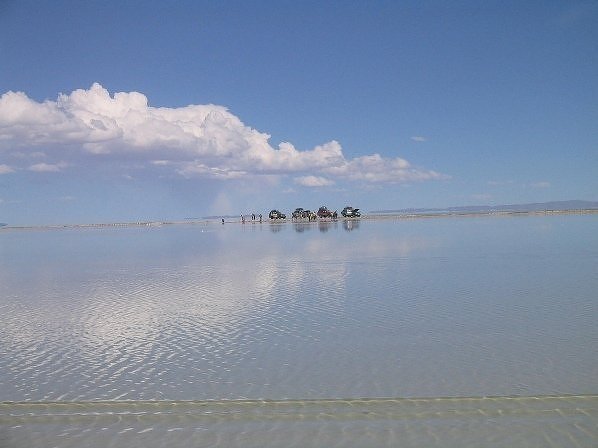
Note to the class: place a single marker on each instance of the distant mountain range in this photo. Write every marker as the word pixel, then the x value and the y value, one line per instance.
pixel 533 207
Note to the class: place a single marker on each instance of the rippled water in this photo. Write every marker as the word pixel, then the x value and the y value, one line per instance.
pixel 296 314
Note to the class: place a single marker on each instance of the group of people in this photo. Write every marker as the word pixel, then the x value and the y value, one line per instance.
pixel 304 214
pixel 254 217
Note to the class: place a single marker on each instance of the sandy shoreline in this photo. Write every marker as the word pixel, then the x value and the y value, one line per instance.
pixel 373 216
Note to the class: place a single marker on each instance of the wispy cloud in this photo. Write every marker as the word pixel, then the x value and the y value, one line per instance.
pixel 313 181
pixel 222 205
pixel 575 13
pixel 28 155
pixel 542 184
pixel 192 141
pixel 498 183
pixel 419 138
pixel 481 197
pixel 5 169
pixel 48 167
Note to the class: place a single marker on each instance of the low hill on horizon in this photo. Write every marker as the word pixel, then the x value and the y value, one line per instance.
pixel 531 207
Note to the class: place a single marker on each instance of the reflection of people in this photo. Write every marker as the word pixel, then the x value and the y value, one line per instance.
pixel 349 224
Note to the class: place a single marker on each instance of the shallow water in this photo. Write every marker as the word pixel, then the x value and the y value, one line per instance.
pixel 444 422
pixel 447 307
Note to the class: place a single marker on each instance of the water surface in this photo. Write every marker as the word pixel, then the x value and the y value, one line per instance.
pixel 386 309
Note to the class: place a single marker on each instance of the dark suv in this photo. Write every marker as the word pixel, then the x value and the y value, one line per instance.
pixel 275 214
pixel 350 212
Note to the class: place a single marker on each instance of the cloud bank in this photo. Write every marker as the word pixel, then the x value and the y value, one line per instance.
pixel 193 141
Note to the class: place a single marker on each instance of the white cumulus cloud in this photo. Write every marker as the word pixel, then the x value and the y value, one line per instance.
pixel 192 141
pixel 375 168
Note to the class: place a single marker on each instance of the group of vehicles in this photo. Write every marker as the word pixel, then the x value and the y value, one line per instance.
pixel 322 213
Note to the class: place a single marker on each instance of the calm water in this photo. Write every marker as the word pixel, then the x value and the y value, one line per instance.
pixel 257 334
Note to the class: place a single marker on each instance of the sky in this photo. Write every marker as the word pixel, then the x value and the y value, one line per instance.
pixel 119 111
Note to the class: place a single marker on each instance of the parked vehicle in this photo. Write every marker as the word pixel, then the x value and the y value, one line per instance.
pixel 323 212
pixel 275 214
pixel 298 213
pixel 350 212
pixel 301 213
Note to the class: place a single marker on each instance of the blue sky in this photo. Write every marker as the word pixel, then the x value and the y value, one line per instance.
pixel 147 110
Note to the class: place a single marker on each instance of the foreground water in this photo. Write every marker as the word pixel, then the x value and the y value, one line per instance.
pixel 361 333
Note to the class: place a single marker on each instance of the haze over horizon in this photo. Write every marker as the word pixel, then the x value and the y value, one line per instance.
pixel 126 111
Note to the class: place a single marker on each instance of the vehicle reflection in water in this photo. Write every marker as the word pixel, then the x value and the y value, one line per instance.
pixel 324 226
pixel 349 225
pixel 301 227
pixel 276 227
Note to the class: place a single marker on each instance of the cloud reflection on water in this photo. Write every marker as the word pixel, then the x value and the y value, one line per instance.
pixel 192 309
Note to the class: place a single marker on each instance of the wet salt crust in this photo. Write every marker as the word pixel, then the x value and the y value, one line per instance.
pixel 452 422
pixel 302 315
